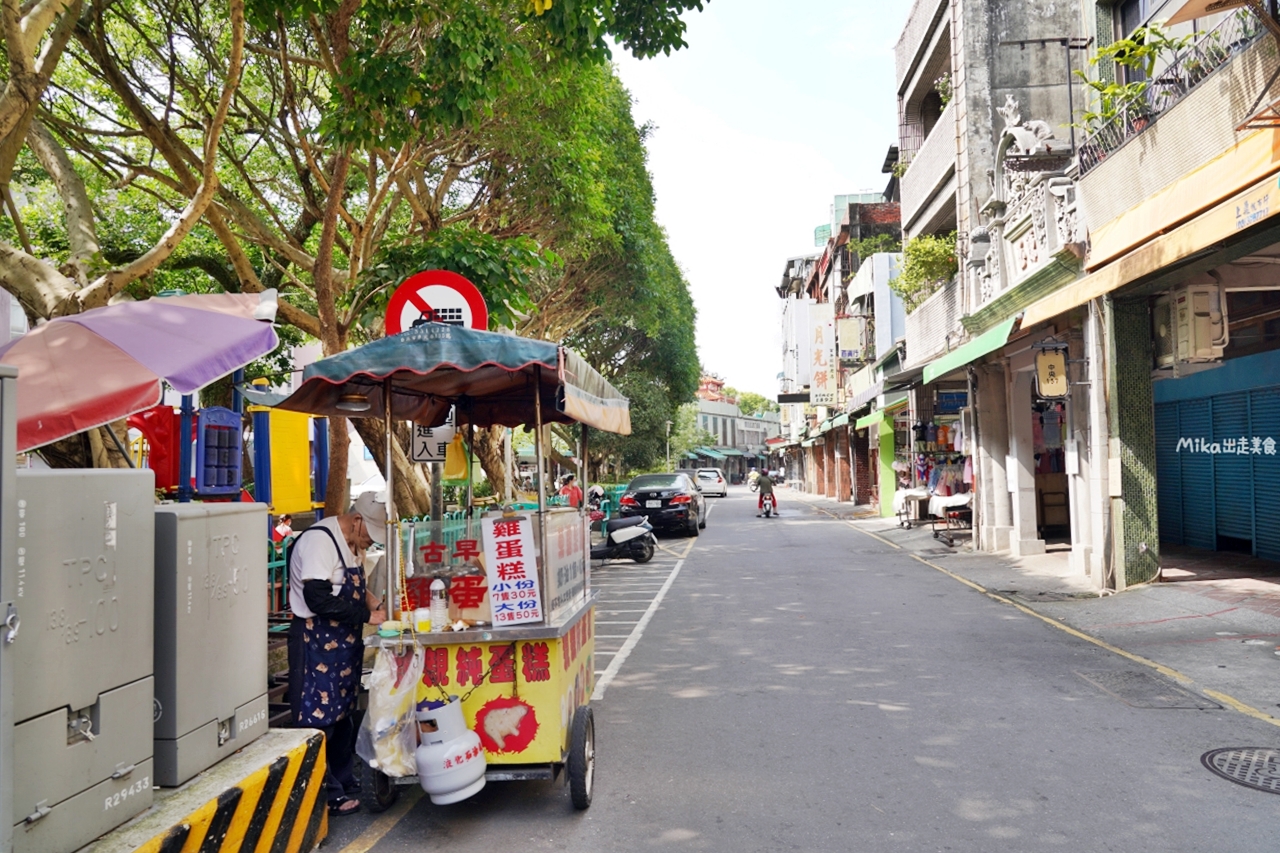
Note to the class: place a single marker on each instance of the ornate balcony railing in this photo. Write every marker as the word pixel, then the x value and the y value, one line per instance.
pixel 1188 70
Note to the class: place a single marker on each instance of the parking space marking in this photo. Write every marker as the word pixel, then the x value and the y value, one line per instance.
pixel 602 684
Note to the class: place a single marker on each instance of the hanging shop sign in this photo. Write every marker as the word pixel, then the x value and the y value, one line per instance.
pixel 1051 374
pixel 429 443
pixel 436 296
pixel 824 381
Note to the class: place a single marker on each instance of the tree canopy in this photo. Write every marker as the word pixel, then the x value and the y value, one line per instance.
pixel 328 148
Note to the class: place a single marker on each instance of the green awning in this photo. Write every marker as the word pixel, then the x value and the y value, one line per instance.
pixel 988 341
pixel 823 427
pixel 709 453
pixel 843 420
pixel 869 420
pixel 729 451
pixel 808 442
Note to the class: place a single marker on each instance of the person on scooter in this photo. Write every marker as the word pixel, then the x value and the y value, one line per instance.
pixel 765 484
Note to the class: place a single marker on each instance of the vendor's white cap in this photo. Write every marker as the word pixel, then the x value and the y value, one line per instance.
pixel 370 507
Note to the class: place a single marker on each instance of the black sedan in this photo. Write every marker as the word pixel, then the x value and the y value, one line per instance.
pixel 669 501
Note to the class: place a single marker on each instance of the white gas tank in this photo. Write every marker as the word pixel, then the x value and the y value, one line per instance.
pixel 451 761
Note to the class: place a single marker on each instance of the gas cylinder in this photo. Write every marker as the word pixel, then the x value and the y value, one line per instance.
pixel 451 761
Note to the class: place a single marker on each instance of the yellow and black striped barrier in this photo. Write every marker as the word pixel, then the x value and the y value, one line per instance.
pixel 269 798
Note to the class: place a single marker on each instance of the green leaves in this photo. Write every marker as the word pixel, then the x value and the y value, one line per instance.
pixel 928 262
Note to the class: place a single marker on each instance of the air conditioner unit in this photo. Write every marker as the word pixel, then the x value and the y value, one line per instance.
pixel 1199 316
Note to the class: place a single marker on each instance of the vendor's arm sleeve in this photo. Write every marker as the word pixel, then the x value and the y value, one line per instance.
pixel 320 598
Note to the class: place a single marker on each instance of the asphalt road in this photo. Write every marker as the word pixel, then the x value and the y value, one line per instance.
pixel 803 686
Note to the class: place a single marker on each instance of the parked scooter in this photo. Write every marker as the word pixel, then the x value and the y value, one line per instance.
pixel 766 505
pixel 625 538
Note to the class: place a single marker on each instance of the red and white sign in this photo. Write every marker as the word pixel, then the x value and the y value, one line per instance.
pixel 512 568
pixel 436 296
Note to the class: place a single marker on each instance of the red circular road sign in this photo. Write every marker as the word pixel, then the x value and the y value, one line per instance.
pixel 437 296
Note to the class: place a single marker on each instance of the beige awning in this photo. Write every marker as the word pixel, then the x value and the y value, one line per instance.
pixel 1214 226
pixel 1192 9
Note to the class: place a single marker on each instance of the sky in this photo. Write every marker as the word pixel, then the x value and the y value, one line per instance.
pixel 771 111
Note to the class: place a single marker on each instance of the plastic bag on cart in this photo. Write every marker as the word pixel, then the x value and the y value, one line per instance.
pixel 388 736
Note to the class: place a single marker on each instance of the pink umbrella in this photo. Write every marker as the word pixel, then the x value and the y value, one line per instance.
pixel 86 370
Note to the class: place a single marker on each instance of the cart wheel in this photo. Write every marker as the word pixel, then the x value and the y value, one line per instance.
pixel 646 553
pixel 378 791
pixel 582 758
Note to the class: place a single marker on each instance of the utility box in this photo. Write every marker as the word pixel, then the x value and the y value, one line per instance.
pixel 81 665
pixel 211 629
pixel 9 616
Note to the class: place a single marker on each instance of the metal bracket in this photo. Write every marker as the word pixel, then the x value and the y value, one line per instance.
pixel 42 811
pixel 12 622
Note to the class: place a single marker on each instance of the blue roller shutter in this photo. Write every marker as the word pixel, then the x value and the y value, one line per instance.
pixel 1265 415
pixel 1197 477
pixel 1232 470
pixel 1168 473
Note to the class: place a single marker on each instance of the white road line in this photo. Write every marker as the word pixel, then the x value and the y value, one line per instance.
pixel 609 674
pixel 630 622
pixel 611 636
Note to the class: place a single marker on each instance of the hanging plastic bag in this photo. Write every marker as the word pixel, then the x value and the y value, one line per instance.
pixel 388 736
pixel 455 459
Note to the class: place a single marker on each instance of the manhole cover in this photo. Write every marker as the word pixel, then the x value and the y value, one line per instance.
pixel 1251 766
pixel 1145 690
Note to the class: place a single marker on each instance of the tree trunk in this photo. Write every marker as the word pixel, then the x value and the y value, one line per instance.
pixel 411 491
pixel 336 496
pixel 489 452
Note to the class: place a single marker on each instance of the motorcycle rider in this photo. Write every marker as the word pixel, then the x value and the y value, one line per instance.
pixel 765 484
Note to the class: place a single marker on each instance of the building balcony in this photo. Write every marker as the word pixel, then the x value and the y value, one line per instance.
pixel 1192 144
pixel 921 26
pixel 929 185
pixel 934 328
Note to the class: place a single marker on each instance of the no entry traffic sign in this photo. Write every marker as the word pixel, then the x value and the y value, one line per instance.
pixel 436 296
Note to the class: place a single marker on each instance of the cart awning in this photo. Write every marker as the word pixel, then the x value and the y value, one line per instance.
pixel 492 377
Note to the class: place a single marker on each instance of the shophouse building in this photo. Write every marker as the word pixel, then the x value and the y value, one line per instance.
pixel 1114 323
pixel 838 313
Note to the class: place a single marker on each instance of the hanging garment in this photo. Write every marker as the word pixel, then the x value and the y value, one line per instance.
pixel 1051 429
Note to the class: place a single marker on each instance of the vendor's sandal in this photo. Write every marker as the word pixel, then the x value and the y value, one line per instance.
pixel 343 806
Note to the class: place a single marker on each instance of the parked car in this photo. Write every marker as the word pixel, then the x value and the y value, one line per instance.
pixel 712 481
pixel 669 501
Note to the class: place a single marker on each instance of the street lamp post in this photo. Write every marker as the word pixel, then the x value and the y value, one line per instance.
pixel 669 445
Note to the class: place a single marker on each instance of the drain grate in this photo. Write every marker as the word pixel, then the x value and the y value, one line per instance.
pixel 1252 766
pixel 1145 690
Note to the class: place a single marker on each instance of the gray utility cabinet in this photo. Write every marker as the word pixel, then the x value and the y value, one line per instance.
pixel 82 669
pixel 9 616
pixel 211 634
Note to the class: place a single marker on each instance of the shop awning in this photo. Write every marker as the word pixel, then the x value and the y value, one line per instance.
pixel 808 442
pixel 1214 227
pixel 1189 10
pixel 842 420
pixel 869 420
pixel 903 379
pixel 988 341
pixel 824 427
pixel 729 451
pixel 866 395
pixel 708 452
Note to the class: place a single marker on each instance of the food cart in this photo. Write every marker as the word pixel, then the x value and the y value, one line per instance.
pixel 522 662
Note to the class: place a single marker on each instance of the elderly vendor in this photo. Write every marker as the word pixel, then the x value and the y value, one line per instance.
pixel 330 605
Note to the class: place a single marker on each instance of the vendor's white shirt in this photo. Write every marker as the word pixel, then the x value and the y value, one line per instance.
pixel 315 558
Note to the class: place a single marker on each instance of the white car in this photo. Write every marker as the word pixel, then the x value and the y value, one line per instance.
pixel 712 481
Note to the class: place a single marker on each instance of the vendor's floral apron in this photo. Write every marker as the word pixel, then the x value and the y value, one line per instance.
pixel 332 656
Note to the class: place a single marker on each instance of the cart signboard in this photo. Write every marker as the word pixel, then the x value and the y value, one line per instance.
pixel 511 565
pixel 429 443
pixel 565 559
